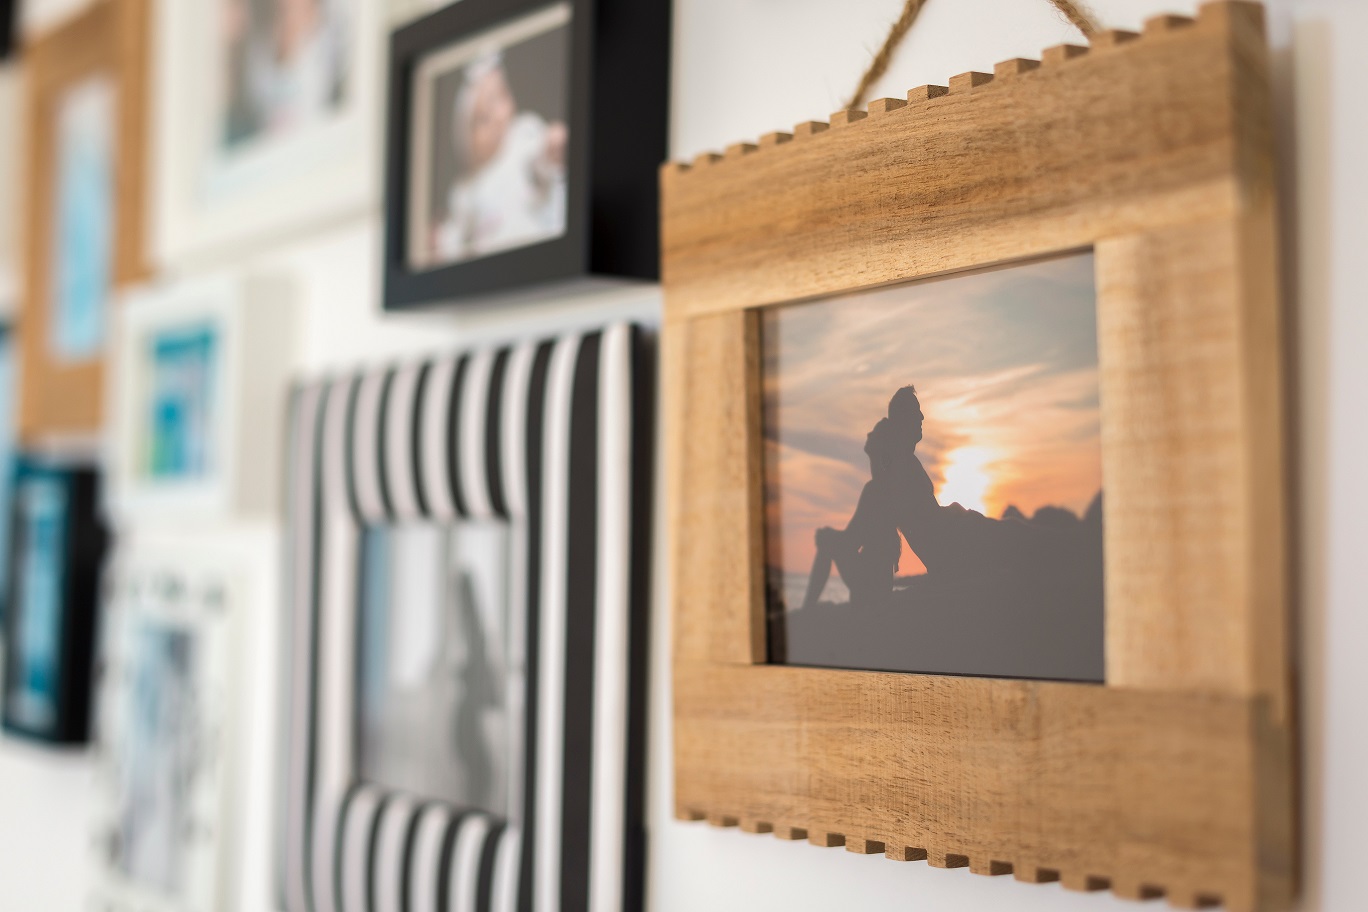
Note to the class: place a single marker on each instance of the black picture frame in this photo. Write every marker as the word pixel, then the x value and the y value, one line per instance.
pixel 9 28
pixel 618 123
pixel 83 544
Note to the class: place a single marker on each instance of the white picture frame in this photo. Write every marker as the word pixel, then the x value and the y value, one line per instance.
pixel 165 817
pixel 249 319
pixel 207 203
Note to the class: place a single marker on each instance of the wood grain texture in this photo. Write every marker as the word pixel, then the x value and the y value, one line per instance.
pixel 110 38
pixel 712 471
pixel 1103 783
pixel 1049 160
pixel 1173 779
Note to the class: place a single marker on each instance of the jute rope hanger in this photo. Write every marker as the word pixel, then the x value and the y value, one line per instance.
pixel 1077 14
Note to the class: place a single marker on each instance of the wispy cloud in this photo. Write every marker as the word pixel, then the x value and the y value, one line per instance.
pixel 1004 360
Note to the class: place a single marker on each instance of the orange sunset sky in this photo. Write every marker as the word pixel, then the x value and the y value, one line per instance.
pixel 1005 366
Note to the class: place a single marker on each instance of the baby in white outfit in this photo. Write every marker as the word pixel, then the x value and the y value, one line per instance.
pixel 511 191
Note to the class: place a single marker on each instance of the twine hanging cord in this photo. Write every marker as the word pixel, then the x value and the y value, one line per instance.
pixel 1077 14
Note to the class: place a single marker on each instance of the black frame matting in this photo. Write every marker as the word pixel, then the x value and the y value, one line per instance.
pixel 554 436
pixel 618 123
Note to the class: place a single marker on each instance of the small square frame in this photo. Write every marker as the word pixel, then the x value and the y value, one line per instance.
pixel 618 117
pixel 1175 777
pixel 254 318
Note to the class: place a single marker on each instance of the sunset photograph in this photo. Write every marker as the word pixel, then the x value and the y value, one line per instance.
pixel 998 370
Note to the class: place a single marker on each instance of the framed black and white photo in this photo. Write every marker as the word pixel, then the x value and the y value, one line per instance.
pixel 523 145
pixel 469 569
pixel 165 731
pixel 57 543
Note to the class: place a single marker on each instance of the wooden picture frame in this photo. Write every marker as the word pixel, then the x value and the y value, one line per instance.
pixel 615 56
pixel 57 545
pixel 229 426
pixel 1173 778
pixel 64 398
pixel 550 438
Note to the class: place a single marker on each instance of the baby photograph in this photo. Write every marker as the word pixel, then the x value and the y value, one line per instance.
pixel 284 64
pixel 489 150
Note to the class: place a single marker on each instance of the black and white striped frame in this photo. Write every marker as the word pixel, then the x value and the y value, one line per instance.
pixel 554 435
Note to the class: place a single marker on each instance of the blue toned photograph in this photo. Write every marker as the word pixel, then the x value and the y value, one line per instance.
pixel 83 221
pixel 181 401
pixel 8 389
pixel 42 519
pixel 158 754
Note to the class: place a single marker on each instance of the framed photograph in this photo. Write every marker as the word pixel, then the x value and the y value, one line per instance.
pixel 201 370
pixel 84 209
pixel 57 544
pixel 267 108
pixel 164 730
pixel 977 483
pixel 469 544
pixel 509 164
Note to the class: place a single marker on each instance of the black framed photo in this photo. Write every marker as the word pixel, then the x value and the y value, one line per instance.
pixel 9 28
pixel 524 138
pixel 57 544
pixel 469 550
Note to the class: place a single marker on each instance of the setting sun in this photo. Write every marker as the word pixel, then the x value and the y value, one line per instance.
pixel 966 477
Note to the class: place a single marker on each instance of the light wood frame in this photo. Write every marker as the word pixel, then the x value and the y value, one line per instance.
pixel 65 400
pixel 1175 777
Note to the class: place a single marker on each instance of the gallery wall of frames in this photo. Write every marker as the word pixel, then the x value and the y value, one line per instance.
pixel 533 455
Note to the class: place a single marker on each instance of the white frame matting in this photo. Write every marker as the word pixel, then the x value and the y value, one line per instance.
pixel 303 179
pixel 255 320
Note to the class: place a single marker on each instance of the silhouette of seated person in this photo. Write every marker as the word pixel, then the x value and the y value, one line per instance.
pixel 959 547
pixel 951 540
pixel 866 551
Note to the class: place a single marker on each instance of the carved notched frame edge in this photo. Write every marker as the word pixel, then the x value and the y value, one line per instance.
pixel 1175 778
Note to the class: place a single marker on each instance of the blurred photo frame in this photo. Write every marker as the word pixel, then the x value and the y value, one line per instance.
pixel 468 550
pixel 200 369
pixel 265 113
pixel 84 210
pixel 165 724
pixel 513 165
pixel 57 545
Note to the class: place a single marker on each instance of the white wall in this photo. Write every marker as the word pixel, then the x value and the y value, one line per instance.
pixel 745 67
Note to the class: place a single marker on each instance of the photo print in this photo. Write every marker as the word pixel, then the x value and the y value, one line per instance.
pixel 158 753
pixel 35 671
pixel 488 152
pixel 440 689
pixel 181 401
pixel 933 476
pixel 83 220
pixel 284 65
